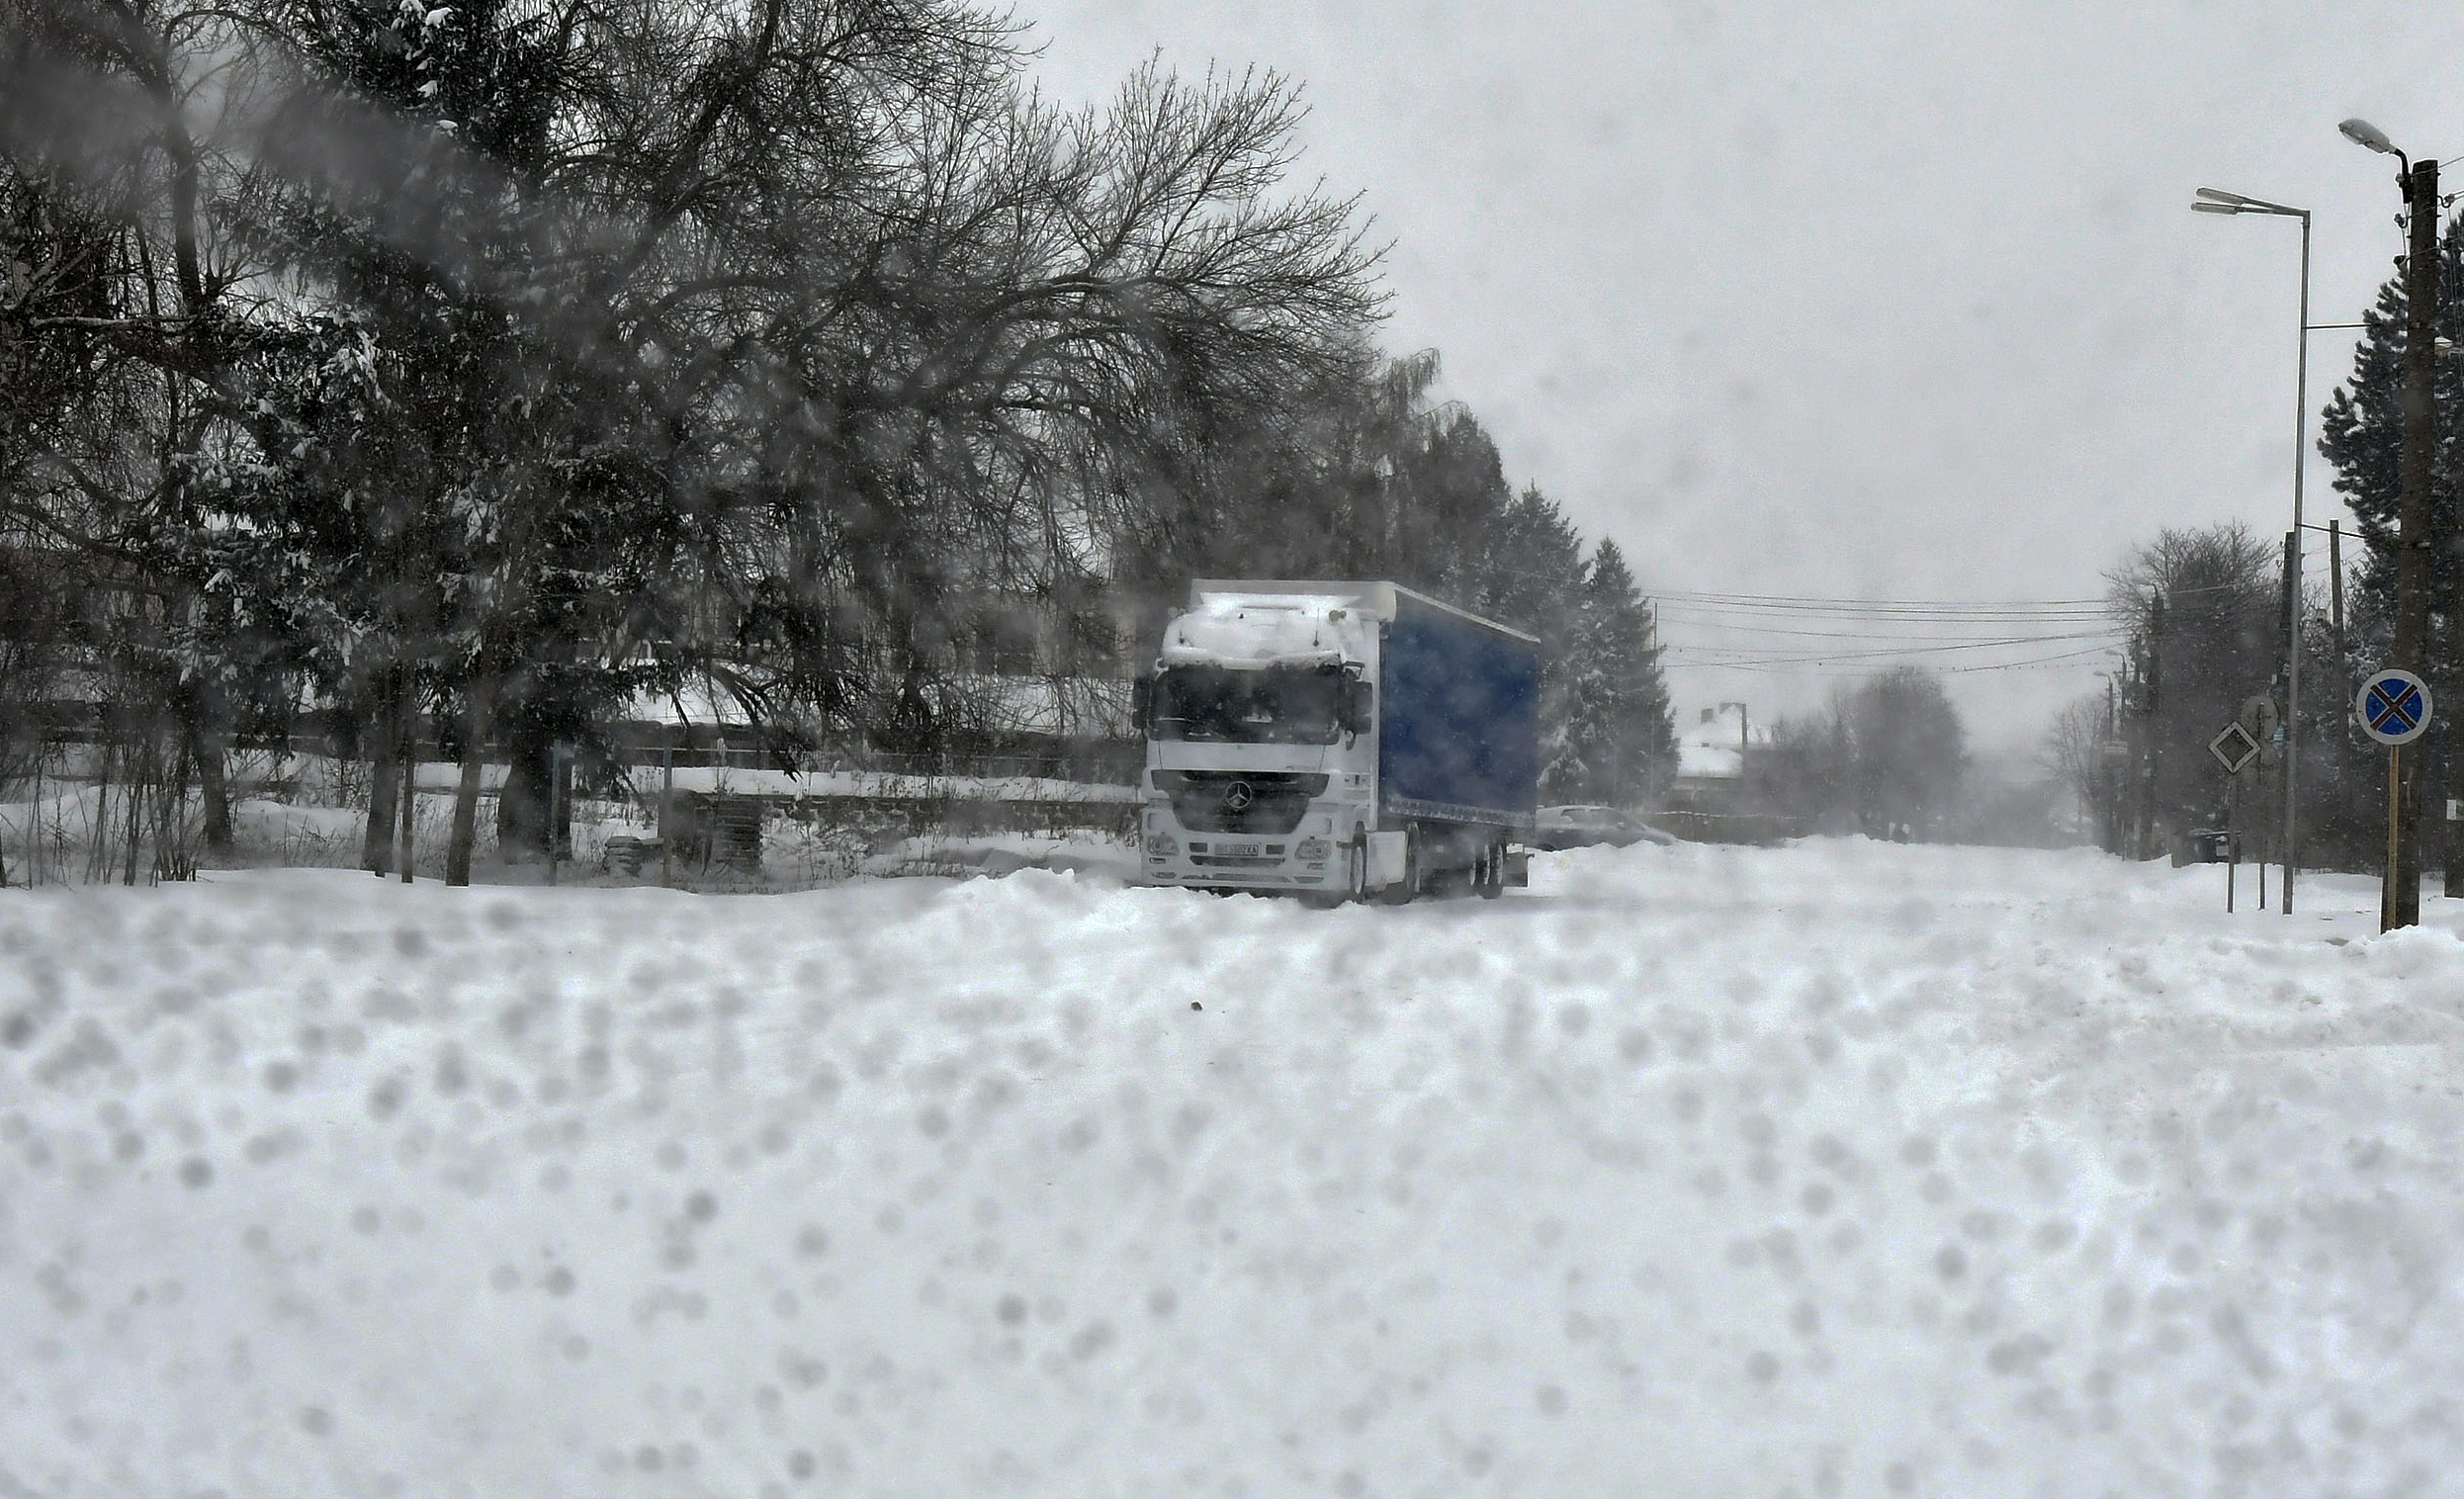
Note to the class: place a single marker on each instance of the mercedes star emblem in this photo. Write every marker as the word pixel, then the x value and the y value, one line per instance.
pixel 1238 796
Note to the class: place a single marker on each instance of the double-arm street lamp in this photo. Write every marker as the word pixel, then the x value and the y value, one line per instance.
pixel 2216 201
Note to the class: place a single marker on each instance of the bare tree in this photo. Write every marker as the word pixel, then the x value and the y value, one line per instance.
pixel 2199 608
pixel 2074 749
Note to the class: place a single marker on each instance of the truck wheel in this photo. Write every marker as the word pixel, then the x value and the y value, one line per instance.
pixel 1351 872
pixel 1492 876
pixel 1401 891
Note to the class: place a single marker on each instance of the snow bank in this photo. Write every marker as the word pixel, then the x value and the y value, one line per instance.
pixel 1007 853
pixel 740 780
pixel 1842 1169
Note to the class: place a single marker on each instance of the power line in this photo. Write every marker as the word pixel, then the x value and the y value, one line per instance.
pixel 1740 618
pixel 1727 627
pixel 1818 657
pixel 2027 665
pixel 1837 601
pixel 2066 661
pixel 1879 611
pixel 1951 606
pixel 1932 624
pixel 1914 603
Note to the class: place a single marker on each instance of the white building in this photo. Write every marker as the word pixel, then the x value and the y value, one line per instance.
pixel 1718 758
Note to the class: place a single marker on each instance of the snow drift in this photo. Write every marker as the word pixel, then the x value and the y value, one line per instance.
pixel 1840 1169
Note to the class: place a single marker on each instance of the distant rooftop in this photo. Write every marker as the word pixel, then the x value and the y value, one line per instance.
pixel 1712 748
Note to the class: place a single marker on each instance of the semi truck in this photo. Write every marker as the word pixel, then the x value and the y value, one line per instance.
pixel 1341 741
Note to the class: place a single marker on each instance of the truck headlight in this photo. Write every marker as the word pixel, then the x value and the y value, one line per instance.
pixel 1312 849
pixel 1162 842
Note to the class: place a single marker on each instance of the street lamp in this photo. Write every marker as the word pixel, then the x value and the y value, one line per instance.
pixel 2401 896
pixel 2362 133
pixel 2217 201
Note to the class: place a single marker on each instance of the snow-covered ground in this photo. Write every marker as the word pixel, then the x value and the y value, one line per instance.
pixel 1000 853
pixel 1838 1169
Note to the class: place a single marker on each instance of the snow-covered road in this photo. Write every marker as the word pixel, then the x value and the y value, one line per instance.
pixel 1838 1169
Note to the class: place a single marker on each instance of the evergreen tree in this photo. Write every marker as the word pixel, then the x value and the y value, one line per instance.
pixel 2361 432
pixel 459 426
pixel 1619 744
pixel 1530 577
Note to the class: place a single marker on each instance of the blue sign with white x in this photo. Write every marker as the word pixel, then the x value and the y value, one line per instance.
pixel 2394 707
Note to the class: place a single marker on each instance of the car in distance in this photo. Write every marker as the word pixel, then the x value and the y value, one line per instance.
pixel 1580 827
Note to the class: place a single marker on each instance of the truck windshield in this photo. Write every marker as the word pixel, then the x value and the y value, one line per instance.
pixel 1275 706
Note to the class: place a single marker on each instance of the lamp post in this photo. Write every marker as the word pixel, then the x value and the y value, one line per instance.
pixel 2401 903
pixel 2215 201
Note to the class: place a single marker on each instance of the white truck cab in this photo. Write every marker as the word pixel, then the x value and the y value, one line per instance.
pixel 1272 752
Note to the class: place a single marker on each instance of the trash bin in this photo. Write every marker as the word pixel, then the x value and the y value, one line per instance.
pixel 2208 845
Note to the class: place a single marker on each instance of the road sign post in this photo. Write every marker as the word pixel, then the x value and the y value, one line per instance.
pixel 2258 715
pixel 2233 837
pixel 2235 748
pixel 2395 711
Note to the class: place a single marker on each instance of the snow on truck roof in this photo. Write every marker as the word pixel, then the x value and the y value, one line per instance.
pixel 1253 633
pixel 1377 600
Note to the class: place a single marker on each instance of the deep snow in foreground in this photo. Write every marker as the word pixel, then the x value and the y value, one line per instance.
pixel 1838 1169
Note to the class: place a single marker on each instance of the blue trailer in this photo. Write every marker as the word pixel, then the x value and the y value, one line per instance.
pixel 1342 739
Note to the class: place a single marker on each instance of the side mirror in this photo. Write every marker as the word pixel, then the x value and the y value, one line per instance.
pixel 1141 701
pixel 1360 706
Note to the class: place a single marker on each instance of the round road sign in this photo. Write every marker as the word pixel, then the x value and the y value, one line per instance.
pixel 2394 707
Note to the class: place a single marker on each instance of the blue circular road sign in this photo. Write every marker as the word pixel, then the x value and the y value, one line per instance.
pixel 2394 707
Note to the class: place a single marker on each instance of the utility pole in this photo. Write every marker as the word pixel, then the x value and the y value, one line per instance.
pixel 2400 900
pixel 2341 744
pixel 2420 437
pixel 2151 698
pixel 2133 755
pixel 2452 685
pixel 2288 739
pixel 2336 605
pixel 2109 799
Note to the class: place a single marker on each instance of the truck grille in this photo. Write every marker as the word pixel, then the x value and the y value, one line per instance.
pixel 1270 802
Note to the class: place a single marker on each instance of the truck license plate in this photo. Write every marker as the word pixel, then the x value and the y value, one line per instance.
pixel 1237 850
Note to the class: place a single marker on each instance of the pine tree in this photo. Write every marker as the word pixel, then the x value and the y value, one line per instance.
pixel 1619 740
pixel 2361 432
pixel 1530 576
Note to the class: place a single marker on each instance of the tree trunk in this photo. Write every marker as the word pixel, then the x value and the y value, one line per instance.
pixel 214 793
pixel 34 850
pixel 522 802
pixel 407 754
pixel 480 701
pixel 98 847
pixel 201 740
pixel 377 849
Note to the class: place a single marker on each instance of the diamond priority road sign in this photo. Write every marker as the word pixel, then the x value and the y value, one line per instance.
pixel 2234 748
pixel 2395 707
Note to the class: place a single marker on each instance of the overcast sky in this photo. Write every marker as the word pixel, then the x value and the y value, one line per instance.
pixel 1869 299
